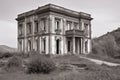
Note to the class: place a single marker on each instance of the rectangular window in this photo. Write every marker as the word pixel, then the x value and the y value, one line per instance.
pixel 43 24
pixel 76 26
pixel 86 28
pixel 69 25
pixel 57 23
pixel 20 45
pixel 20 31
pixel 85 25
pixel 29 28
pixel 29 45
pixel 69 45
pixel 36 26
pixel 36 44
pixel 44 45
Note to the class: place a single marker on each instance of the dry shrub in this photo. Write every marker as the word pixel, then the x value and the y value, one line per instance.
pixel 40 64
pixel 14 64
pixel 5 55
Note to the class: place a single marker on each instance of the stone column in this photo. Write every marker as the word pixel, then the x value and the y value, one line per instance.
pixel 81 51
pixel 33 39
pixel 73 45
pixel 83 42
pixel 50 37
pixel 25 34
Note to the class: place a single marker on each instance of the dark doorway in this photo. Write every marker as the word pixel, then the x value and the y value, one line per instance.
pixel 69 46
pixel 57 46
pixel 44 44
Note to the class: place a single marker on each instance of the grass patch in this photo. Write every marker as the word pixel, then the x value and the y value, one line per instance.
pixel 92 71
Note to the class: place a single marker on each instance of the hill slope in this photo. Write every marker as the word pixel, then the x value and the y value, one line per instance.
pixel 107 45
pixel 4 49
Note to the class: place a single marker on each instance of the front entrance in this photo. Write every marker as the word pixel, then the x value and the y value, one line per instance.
pixel 78 45
pixel 74 45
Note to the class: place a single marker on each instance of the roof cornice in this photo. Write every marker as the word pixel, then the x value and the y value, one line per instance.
pixel 56 9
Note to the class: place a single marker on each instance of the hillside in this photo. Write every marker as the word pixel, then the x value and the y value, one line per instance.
pixel 114 33
pixel 107 46
pixel 4 49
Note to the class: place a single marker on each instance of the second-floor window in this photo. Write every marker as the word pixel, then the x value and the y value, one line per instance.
pixel 86 28
pixel 43 24
pixel 57 23
pixel 76 26
pixel 69 25
pixel 29 28
pixel 20 29
pixel 36 26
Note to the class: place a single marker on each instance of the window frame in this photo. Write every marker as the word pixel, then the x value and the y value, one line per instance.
pixel 29 28
pixel 57 23
pixel 36 26
pixel 20 31
pixel 43 24
pixel 70 25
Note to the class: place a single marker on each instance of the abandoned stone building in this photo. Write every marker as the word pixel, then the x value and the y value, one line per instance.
pixel 52 29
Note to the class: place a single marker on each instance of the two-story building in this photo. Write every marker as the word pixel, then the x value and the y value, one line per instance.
pixel 52 29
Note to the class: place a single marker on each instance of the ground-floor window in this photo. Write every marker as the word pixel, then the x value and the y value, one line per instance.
pixel 43 45
pixel 69 44
pixel 86 46
pixel 37 44
pixel 57 46
pixel 29 45
pixel 20 46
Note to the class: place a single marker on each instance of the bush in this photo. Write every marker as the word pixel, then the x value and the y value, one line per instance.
pixel 14 61
pixel 40 64
pixel 5 55
pixel 14 64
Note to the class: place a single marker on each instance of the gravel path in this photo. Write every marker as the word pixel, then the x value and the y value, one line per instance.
pixel 100 62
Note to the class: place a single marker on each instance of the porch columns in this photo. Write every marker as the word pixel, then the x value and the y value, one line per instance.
pixel 73 45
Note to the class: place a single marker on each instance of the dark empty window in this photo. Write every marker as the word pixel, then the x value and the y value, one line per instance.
pixel 57 46
pixel 36 26
pixel 86 46
pixel 20 29
pixel 68 46
pixel 43 24
pixel 37 44
pixel 29 45
pixel 44 45
pixel 29 28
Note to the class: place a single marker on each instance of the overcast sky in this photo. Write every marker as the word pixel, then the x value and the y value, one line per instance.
pixel 106 14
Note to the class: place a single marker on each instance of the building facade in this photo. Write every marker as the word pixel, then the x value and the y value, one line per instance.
pixel 52 29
